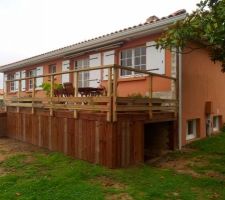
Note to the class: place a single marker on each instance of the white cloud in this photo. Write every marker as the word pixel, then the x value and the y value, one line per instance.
pixel 31 27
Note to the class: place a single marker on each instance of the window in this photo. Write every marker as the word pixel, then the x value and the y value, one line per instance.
pixel 31 73
pixel 52 69
pixel 12 84
pixel 135 58
pixel 216 123
pixel 191 129
pixel 83 77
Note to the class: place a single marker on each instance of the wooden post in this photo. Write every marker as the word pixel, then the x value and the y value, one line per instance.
pixel 115 84
pixel 5 91
pixel 51 95
pixel 18 95
pixel 150 95
pixel 109 94
pixel 33 94
pixel 75 85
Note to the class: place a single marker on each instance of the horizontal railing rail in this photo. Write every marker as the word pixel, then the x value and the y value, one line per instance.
pixel 111 103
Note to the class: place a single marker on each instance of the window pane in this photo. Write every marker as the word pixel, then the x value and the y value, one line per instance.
pixel 78 64
pixel 123 63
pixel 123 54
pixel 143 59
pixel 125 72
pixel 129 62
pixel 190 128
pixel 137 61
pixel 86 63
pixel 143 51
pixel 137 52
pixel 129 53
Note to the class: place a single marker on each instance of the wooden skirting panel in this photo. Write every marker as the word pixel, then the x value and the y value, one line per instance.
pixel 90 137
pixel 3 124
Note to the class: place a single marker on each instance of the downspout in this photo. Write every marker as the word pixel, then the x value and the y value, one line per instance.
pixel 180 100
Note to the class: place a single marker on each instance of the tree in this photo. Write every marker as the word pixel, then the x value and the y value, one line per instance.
pixel 206 25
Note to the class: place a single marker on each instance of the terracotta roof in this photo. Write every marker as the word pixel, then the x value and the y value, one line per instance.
pixel 150 20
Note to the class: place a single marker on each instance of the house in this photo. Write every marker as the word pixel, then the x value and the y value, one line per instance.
pixel 180 92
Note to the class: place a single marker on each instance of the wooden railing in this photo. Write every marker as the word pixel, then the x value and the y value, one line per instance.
pixel 111 104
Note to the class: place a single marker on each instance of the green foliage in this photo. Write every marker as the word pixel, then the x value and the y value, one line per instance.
pixel 47 87
pixel 137 95
pixel 223 128
pixel 214 144
pixel 205 26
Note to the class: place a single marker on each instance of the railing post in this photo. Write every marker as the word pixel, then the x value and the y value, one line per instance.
pixel 75 85
pixel 33 94
pixel 5 91
pixel 115 84
pixel 150 95
pixel 18 94
pixel 51 95
pixel 109 94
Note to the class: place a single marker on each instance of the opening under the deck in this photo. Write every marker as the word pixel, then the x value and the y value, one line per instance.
pixel 157 139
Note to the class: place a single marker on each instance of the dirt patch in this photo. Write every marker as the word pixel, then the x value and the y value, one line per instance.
pixel 181 164
pixel 216 175
pixel 2 157
pixel 2 172
pixel 11 147
pixel 122 196
pixel 106 182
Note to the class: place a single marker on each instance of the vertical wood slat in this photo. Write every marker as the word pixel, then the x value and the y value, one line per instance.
pixel 150 95
pixel 75 82
pixel 5 89
pixel 33 93
pixel 115 85
pixel 18 94
pixel 51 94
pixel 109 93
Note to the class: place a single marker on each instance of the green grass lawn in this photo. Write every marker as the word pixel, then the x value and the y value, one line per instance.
pixel 52 176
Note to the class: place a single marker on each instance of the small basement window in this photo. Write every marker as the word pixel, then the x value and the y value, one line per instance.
pixel 191 132
pixel 216 123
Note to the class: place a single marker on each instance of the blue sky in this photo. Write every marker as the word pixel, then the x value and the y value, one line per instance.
pixel 31 27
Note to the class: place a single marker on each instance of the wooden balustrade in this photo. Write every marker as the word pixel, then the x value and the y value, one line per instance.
pixel 111 104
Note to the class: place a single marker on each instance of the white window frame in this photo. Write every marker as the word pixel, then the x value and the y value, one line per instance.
pixel 51 67
pixel 30 81
pixel 12 84
pixel 133 74
pixel 193 134
pixel 65 67
pixel 216 123
pixel 83 77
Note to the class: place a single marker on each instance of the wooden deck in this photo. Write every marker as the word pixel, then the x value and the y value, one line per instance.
pixel 106 130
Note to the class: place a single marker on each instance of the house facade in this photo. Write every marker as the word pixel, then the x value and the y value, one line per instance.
pixel 201 108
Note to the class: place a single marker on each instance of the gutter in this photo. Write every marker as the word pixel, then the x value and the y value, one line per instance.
pixel 95 43
pixel 180 127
